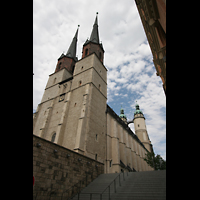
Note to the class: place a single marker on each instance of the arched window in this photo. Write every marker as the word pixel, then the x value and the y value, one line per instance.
pixel 53 137
pixel 86 52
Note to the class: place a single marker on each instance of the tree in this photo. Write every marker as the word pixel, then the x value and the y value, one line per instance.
pixel 156 162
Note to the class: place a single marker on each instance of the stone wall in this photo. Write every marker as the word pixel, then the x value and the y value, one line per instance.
pixel 56 169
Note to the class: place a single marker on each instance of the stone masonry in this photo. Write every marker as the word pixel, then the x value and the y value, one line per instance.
pixel 57 169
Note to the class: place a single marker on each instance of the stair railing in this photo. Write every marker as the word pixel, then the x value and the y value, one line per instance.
pixel 70 191
pixel 108 187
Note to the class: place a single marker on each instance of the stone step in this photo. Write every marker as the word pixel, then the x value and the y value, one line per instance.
pixel 137 185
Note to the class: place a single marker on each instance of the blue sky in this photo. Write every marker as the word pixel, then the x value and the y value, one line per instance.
pixel 131 73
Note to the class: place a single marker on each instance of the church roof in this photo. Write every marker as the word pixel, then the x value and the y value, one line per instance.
pixel 94 37
pixel 72 49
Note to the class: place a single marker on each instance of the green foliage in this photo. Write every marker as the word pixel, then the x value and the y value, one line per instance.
pixel 156 162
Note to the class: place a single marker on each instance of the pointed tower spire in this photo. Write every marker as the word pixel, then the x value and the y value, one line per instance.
pixel 72 49
pixel 95 33
pixel 68 61
pixel 92 45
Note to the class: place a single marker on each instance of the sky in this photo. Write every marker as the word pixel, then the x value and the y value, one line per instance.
pixel 131 73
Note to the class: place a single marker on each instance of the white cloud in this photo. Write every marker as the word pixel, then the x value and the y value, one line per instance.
pixel 131 73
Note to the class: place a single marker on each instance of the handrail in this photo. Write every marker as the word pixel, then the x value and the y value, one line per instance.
pixel 79 187
pixel 115 184
pixel 91 193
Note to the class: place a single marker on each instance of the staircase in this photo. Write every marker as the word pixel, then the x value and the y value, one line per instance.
pixel 148 185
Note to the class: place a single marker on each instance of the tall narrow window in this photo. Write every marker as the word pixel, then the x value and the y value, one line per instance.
pixel 95 156
pixel 100 55
pixel 86 52
pixel 59 65
pixel 110 163
pixel 73 69
pixel 53 137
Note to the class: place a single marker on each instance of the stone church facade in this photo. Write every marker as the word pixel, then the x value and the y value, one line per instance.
pixel 73 112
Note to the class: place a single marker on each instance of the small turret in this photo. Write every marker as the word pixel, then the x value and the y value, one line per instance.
pixel 122 115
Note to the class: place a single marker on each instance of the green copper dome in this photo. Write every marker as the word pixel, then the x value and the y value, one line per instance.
pixel 138 111
pixel 122 115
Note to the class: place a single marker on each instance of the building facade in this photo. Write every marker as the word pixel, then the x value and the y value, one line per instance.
pixel 73 112
pixel 153 17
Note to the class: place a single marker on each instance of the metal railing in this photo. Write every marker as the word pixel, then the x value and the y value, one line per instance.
pixel 108 187
pixel 84 182
pixel 71 192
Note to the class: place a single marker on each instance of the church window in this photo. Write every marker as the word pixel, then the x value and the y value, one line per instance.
pixel 80 82
pixel 138 125
pixel 99 87
pixel 110 163
pixel 95 156
pixel 75 105
pixel 100 55
pixel 53 137
pixel 59 65
pixel 86 52
pixel 82 68
pixel 96 137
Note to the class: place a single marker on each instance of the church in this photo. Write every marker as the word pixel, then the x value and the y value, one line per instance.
pixel 73 112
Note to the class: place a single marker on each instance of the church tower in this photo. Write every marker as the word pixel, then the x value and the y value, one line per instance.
pixel 140 128
pixel 68 61
pixel 86 124
pixel 92 45
pixel 72 112
pixel 48 120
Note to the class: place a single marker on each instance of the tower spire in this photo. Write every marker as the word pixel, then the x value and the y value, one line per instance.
pixel 92 45
pixel 68 61
pixel 94 37
pixel 72 49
